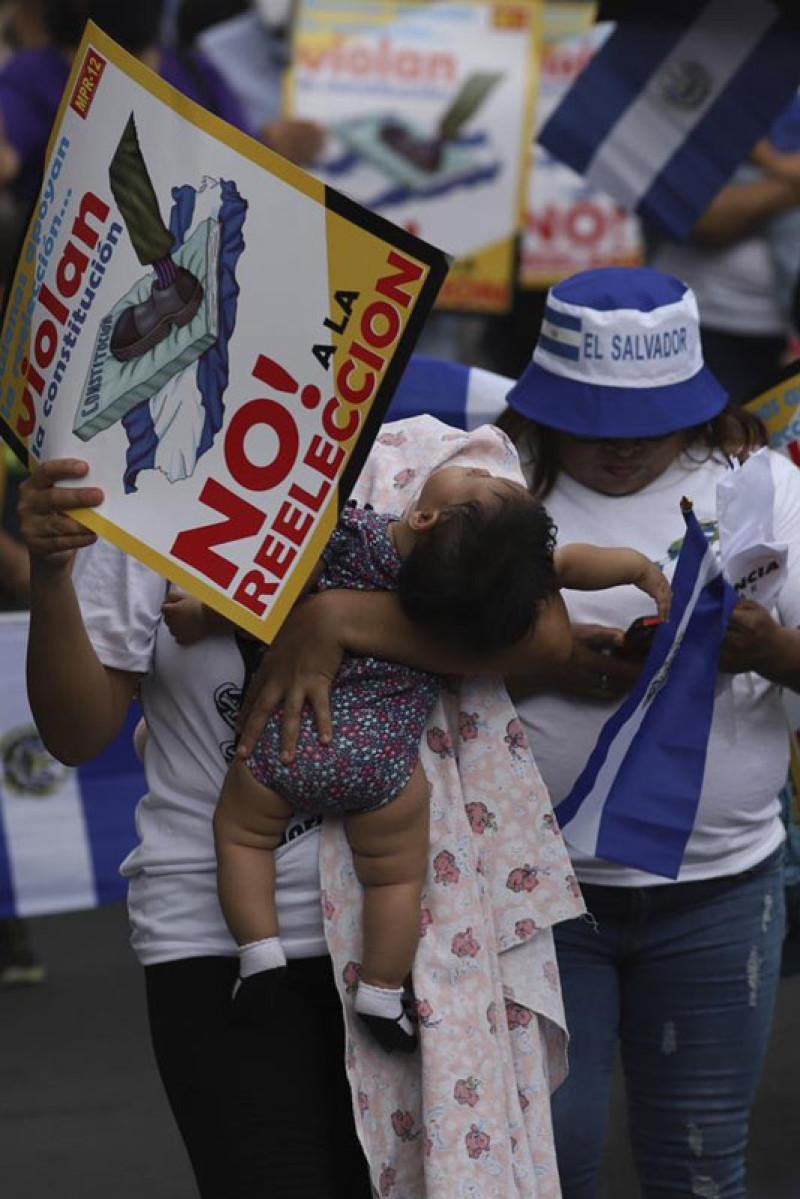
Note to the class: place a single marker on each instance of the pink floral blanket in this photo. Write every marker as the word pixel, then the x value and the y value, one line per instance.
pixel 468 1117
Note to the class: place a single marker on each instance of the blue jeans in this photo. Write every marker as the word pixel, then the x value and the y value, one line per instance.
pixel 685 976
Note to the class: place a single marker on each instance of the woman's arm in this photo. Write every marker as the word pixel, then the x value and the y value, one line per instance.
pixel 741 208
pixel 594 669
pixel 301 664
pixel 14 569
pixel 79 704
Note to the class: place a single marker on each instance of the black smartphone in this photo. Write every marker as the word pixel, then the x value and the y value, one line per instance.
pixel 639 636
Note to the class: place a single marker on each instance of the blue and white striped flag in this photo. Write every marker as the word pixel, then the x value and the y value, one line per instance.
pixel 462 396
pixel 561 333
pixel 63 832
pixel 636 800
pixel 674 102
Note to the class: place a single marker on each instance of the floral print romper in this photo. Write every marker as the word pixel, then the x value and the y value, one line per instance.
pixel 379 709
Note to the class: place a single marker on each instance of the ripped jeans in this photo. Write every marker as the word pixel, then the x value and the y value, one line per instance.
pixel 684 976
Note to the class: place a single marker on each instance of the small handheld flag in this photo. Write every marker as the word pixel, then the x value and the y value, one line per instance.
pixel 635 802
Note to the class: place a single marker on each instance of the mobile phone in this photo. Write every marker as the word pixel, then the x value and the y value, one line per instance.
pixel 639 636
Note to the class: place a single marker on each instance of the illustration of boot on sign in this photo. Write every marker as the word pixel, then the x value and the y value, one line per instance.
pixel 176 294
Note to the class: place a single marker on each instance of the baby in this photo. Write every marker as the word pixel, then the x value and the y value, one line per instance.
pixel 472 562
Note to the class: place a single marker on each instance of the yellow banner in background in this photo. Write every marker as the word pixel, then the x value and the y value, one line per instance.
pixel 778 407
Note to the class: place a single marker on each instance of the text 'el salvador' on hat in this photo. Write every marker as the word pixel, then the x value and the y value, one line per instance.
pixel 619 355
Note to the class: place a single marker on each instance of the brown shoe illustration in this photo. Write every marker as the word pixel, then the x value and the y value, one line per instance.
pixel 144 325
pixel 423 152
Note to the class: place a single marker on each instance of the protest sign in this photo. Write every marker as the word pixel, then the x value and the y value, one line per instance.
pixel 569 226
pixel 429 114
pixel 217 333
pixel 778 406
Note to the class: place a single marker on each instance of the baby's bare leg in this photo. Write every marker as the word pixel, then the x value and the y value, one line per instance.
pixel 390 852
pixel 248 824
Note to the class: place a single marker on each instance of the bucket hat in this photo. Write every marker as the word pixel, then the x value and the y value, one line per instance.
pixel 619 355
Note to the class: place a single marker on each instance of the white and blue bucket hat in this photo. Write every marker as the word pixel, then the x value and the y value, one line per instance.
pixel 619 355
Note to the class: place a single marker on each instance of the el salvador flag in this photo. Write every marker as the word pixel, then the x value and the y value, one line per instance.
pixel 674 102
pixel 561 334
pixel 63 832
pixel 457 395
pixel 636 800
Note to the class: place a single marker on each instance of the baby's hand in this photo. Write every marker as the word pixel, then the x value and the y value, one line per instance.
pixel 185 617
pixel 651 579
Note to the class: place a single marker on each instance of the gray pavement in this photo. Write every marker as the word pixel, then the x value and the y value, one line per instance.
pixel 82 1115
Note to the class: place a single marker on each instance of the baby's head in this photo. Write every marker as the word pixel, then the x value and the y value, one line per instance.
pixel 481 563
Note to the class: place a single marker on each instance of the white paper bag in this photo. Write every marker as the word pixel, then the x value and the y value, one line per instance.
pixel 753 562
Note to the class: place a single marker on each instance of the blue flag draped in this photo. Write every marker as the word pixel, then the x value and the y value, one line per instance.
pixel 461 396
pixel 63 831
pixel 635 802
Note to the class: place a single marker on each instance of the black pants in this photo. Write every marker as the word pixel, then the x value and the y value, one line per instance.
pixel 264 1114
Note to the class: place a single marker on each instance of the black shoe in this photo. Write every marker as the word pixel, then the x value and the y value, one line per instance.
pixel 18 965
pixel 389 1034
pixel 144 325
pixel 255 998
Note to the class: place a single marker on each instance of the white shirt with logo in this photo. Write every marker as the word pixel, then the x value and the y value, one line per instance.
pixel 738 822
pixel 190 697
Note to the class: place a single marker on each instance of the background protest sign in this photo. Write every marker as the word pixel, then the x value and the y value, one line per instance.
pixel 569 226
pixel 429 111
pixel 214 331
pixel 778 406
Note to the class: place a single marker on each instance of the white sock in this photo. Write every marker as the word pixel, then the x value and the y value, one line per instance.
pixel 258 956
pixel 383 1001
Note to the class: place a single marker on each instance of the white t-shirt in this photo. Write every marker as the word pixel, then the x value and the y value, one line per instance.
pixel 738 822
pixel 190 696
pixel 736 285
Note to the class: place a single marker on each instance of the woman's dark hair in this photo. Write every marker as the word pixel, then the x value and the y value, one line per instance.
pixel 731 432
pixel 480 575
pixel 135 24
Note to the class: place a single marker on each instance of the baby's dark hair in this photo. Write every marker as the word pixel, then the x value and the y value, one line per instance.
pixel 479 576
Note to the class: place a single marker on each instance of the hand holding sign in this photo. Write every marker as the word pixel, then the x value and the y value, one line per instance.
pixel 51 535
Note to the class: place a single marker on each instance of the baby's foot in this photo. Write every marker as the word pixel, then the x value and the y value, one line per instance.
pixel 262 972
pixel 381 1009
pixel 254 999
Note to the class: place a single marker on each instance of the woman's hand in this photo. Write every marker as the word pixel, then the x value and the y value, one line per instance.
pixel 753 641
pixel 300 141
pixel 297 669
pixel 594 669
pixel 53 537
pixel 189 620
